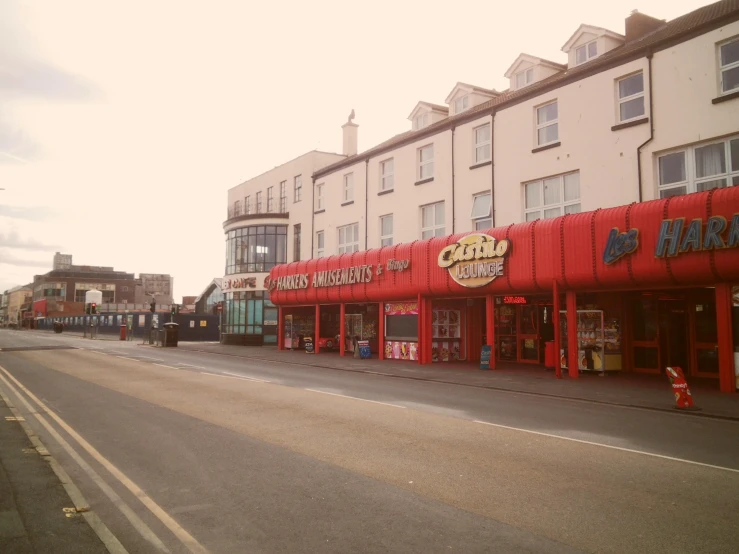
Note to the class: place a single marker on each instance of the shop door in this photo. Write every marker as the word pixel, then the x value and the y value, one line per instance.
pixel 705 358
pixel 674 347
pixel 352 329
pixel 528 333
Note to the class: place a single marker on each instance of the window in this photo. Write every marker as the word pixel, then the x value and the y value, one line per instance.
pixel 482 144
pixel 296 242
pixel 259 202
pixel 461 104
pixel 283 197
pixel 481 219
pixel 347 191
pixel 525 77
pixel 386 230
pixel 426 162
pixel 247 205
pixel 586 52
pixel 270 199
pixel 631 97
pixel 257 248
pixel 552 197
pixel 432 221
pixel 387 175
pixel 237 208
pixel 421 121
pixel 319 197
pixel 700 168
pixel 320 244
pixel 297 188
pixel 729 66
pixel 547 128
pixel 349 238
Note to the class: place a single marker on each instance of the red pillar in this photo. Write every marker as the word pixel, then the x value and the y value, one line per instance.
pixel 280 328
pixel 342 323
pixel 318 329
pixel 381 333
pixel 727 378
pixel 490 328
pixel 572 361
pixel 557 331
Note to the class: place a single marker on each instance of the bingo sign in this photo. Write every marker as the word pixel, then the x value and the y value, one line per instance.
pixel 475 260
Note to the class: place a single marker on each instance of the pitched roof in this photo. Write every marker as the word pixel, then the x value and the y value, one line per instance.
pixel 672 32
pixel 473 88
pixel 600 31
pixel 534 60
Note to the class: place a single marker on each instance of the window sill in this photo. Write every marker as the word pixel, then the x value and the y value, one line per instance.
pixel 348 203
pixel 319 211
pixel 482 164
pixel 726 97
pixel 546 147
pixel 423 181
pixel 388 191
pixel 628 124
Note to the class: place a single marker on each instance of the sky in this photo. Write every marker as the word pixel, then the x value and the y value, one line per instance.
pixel 123 124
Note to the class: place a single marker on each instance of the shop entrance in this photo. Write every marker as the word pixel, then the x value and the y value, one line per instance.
pixel 522 327
pixel 673 334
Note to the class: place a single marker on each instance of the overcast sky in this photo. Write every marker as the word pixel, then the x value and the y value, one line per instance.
pixel 123 124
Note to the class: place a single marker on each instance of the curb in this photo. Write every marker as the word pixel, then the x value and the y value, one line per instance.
pixel 671 410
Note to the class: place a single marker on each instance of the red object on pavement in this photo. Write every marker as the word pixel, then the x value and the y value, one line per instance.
pixel 123 331
pixel 683 398
pixel 549 355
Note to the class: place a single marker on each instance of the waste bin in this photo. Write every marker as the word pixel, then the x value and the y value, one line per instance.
pixel 549 354
pixel 58 327
pixel 171 334
pixel 123 331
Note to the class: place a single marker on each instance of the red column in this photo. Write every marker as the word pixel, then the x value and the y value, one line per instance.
pixel 727 379
pixel 490 327
pixel 318 329
pixel 280 328
pixel 572 361
pixel 557 330
pixel 342 323
pixel 381 333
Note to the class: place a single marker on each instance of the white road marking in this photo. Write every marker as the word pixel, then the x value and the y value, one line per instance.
pixel 622 449
pixel 247 377
pixel 167 366
pixel 356 398
pixel 185 538
pixel 239 377
pixel 126 358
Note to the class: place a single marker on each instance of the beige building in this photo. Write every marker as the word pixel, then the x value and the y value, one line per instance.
pixel 17 298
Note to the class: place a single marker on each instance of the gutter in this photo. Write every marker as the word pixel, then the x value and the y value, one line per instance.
pixel 366 203
pixel 492 169
pixel 312 220
pixel 651 127
pixel 454 213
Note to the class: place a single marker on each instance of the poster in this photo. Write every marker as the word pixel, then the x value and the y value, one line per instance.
pixel 142 320
pixel 401 308
pixel 192 323
pixel 203 323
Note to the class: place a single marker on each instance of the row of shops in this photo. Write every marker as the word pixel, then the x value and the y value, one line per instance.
pixel 635 288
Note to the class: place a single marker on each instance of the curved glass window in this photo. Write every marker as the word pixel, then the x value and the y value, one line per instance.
pixel 255 249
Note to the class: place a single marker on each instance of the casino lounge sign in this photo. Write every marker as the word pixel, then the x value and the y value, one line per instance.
pixel 475 260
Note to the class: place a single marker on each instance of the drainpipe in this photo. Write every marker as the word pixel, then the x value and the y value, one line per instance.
pixel 366 203
pixel 312 218
pixel 454 214
pixel 651 125
pixel 492 169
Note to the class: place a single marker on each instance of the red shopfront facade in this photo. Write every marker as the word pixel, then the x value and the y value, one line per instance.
pixel 642 287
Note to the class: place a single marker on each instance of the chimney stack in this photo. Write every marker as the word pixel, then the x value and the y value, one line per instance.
pixel 639 24
pixel 350 130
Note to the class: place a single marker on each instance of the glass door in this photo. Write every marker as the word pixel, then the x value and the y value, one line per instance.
pixel 705 357
pixel 506 331
pixel 528 333
pixel 645 334
pixel 352 330
pixel 674 347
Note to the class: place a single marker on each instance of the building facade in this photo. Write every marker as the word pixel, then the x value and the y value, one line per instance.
pixel 210 301
pixel 19 304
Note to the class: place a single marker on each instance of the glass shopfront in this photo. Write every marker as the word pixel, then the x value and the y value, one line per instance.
pixel 256 249
pixel 250 313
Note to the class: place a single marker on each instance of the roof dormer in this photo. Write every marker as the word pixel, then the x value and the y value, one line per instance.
pixel 425 113
pixel 527 70
pixel 465 96
pixel 589 42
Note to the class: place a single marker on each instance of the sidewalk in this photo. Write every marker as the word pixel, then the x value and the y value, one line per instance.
pixel 623 389
pixel 32 500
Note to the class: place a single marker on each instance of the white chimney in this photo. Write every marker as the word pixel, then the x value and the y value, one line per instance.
pixel 350 136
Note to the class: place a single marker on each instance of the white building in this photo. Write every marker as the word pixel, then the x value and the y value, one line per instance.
pixel 623 118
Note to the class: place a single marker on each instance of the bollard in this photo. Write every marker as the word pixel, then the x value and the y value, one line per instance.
pixel 683 398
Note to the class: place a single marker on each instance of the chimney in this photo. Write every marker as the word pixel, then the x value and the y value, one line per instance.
pixel 350 136
pixel 639 24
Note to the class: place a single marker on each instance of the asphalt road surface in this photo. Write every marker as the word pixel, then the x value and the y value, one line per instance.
pixel 191 452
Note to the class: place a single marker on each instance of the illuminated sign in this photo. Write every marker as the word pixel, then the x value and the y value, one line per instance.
pixel 514 300
pixel 475 260
pixel 675 237
pixel 228 285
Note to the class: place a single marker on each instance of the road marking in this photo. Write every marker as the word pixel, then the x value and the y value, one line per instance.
pixel 185 538
pixel 356 398
pixel 240 377
pixel 612 447
pixel 246 377
pixel 167 366
pixel 126 358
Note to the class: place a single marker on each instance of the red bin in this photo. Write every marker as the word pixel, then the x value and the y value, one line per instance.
pixel 549 354
pixel 123 331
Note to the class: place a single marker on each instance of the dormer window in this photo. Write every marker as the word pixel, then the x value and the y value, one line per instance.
pixel 524 78
pixel 421 121
pixel 461 104
pixel 586 52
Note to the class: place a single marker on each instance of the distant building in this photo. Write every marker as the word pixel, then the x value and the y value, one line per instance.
pixel 62 261
pixel 18 302
pixel 210 298
pixel 154 284
pixel 188 304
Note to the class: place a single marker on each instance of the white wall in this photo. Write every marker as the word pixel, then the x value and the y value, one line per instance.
pixel 685 80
